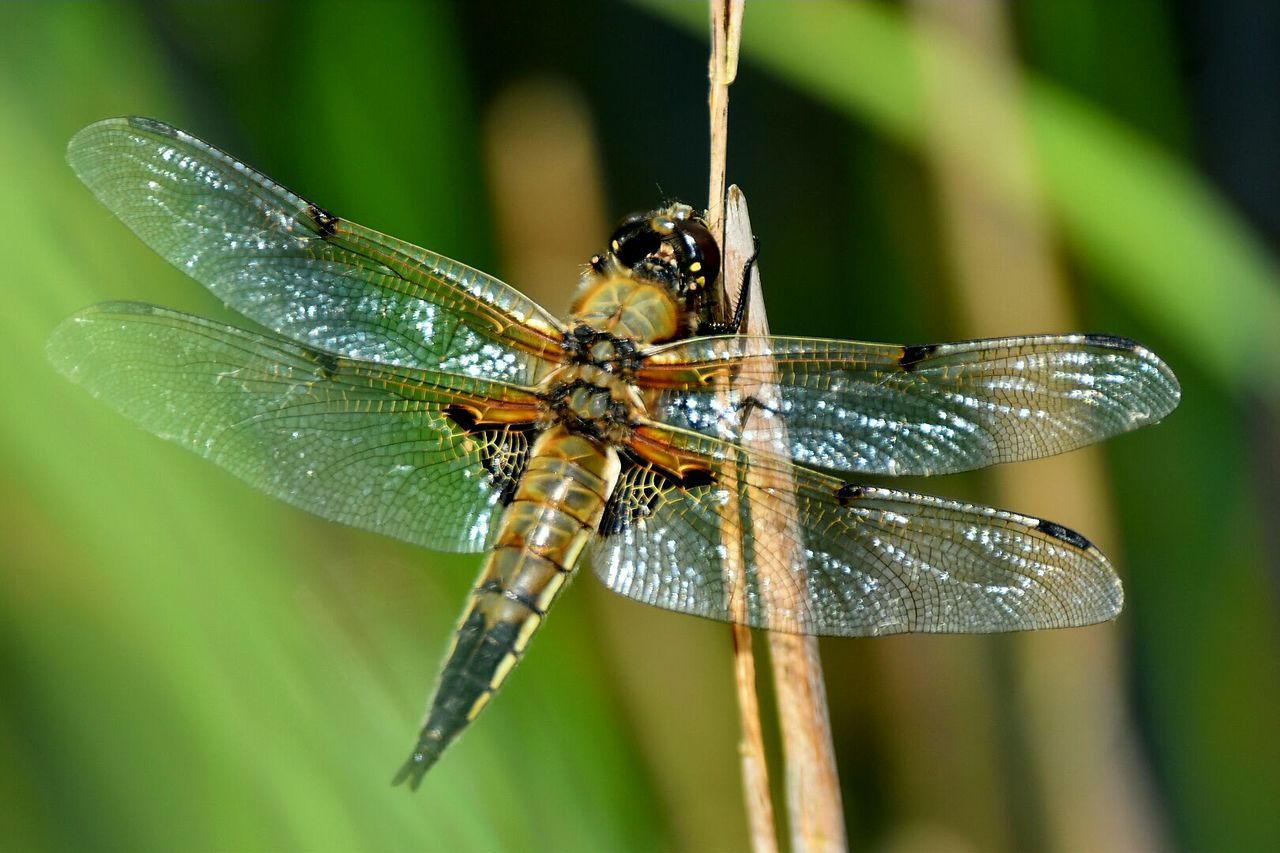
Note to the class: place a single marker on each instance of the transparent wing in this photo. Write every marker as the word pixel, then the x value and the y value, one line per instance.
pixel 887 409
pixel 300 271
pixel 855 561
pixel 374 446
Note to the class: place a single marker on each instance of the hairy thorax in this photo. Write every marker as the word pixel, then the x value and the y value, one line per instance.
pixel 615 316
pixel 592 401
pixel 628 306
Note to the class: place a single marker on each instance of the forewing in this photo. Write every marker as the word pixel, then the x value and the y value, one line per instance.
pixel 374 446
pixel 300 271
pixel 776 546
pixel 887 409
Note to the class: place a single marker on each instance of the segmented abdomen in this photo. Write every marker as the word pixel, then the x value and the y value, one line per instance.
pixel 555 512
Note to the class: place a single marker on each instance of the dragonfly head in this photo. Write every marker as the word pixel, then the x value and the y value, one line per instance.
pixel 671 245
pixel 655 282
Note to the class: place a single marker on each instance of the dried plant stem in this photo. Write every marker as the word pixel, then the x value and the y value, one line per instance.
pixel 755 773
pixel 813 791
pixel 726 23
pixel 726 33
pixel 812 786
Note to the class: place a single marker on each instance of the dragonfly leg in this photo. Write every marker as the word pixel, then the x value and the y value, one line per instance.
pixel 734 325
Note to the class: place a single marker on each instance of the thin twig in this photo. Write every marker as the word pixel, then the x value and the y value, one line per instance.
pixel 726 27
pixel 814 808
pixel 813 791
pixel 726 34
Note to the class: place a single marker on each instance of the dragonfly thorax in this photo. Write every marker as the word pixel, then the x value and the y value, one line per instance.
pixel 591 401
pixel 588 345
pixel 623 304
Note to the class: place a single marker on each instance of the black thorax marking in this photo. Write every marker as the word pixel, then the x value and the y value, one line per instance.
pixel 588 408
pixel 617 355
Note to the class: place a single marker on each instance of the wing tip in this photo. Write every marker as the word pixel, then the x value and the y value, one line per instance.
pixel 81 137
pixel 1109 603
pixel 1105 605
pixel 1102 596
pixel 64 348
pixel 151 125
pixel 89 137
pixel 58 348
pixel 1171 388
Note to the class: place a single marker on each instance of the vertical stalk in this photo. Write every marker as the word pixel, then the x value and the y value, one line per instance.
pixel 812 786
pixel 726 29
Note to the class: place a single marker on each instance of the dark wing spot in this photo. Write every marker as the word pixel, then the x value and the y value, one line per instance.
pixel 1057 531
pixel 326 361
pixel 695 477
pixel 914 354
pixel 848 493
pixel 1112 342
pixel 641 488
pixel 504 450
pixel 326 222
pixel 462 416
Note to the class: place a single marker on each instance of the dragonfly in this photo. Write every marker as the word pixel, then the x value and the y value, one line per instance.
pixel 391 388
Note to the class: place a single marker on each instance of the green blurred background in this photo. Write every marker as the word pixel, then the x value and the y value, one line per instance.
pixel 190 665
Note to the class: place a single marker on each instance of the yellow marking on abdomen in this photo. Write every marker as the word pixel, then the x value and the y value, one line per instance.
pixel 522 636
pixel 478 705
pixel 504 669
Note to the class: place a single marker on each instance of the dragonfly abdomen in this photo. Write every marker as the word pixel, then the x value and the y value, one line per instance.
pixel 555 513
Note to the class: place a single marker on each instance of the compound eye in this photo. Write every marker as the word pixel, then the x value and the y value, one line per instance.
pixel 634 240
pixel 700 261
